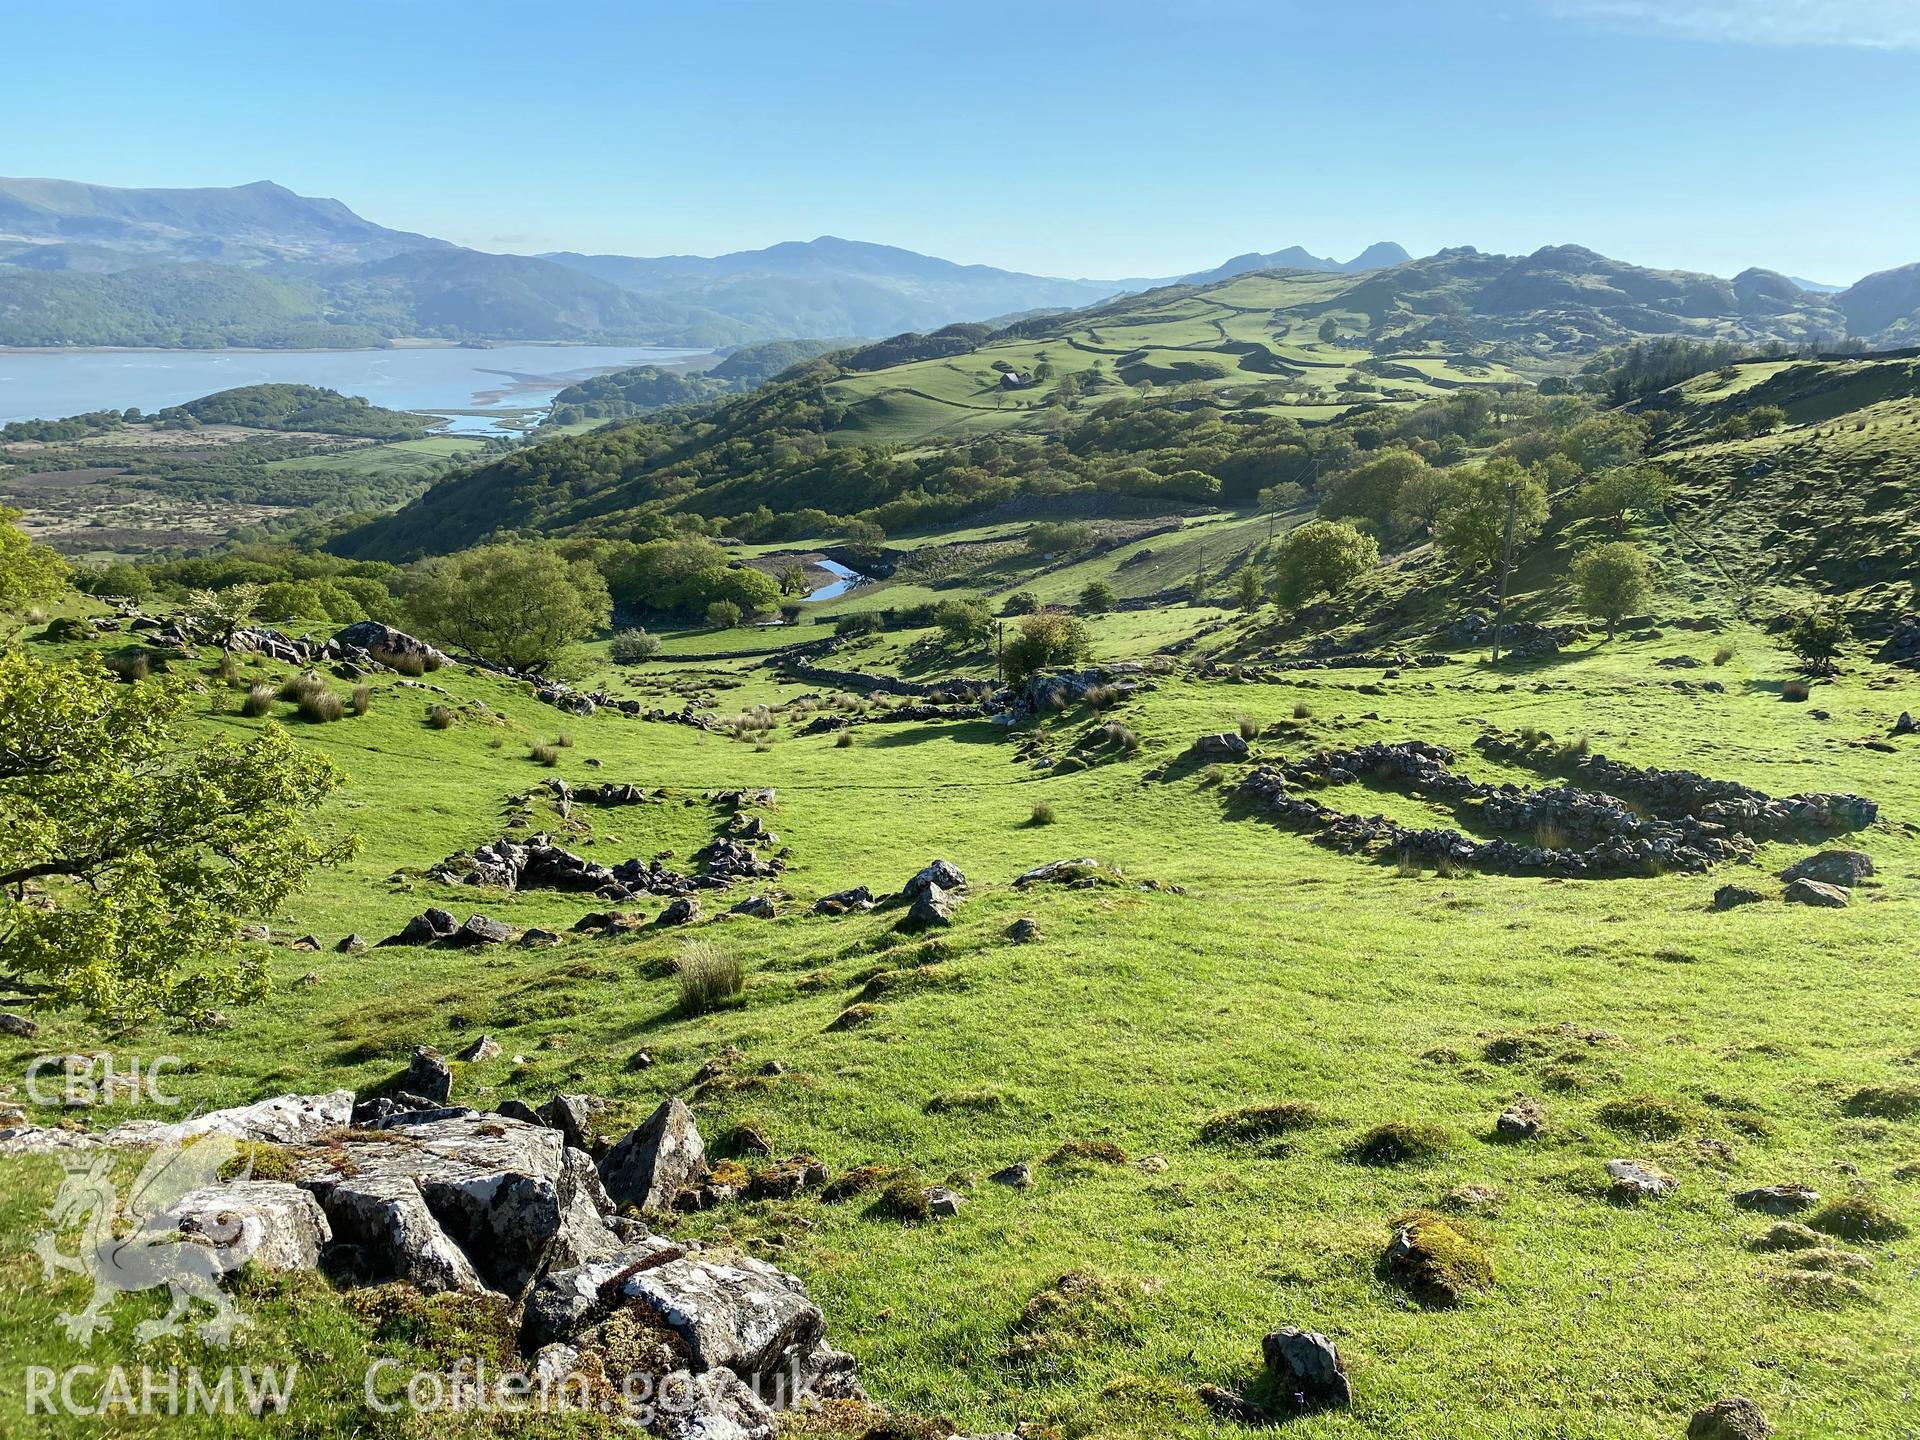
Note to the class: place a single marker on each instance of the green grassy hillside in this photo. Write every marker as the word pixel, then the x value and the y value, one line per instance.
pixel 1724 1047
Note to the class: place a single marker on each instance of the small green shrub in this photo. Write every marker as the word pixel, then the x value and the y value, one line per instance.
pixel 630 647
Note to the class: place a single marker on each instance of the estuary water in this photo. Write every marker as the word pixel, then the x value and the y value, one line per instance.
pixel 437 380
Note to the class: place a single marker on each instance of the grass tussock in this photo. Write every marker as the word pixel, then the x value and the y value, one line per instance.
pixel 441 717
pixel 1724 654
pixel 1086 1155
pixel 321 707
pixel 259 701
pixel 1899 1101
pixel 1262 1122
pixel 361 700
pixel 708 976
pixel 1647 1117
pixel 1248 727
pixel 1402 1142
pixel 843 741
pixel 545 755
pixel 1080 1310
pixel 1042 814
pixel 1859 1217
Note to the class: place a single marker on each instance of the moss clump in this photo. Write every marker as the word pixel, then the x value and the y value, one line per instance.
pixel 904 1197
pixel 1787 1235
pixel 967 1102
pixel 261 1160
pixel 1884 1102
pixel 903 982
pixel 857 1181
pixel 1859 1217
pixel 449 1326
pixel 1081 1309
pixel 1262 1122
pixel 1402 1142
pixel 854 1016
pixel 1646 1117
pixel 1435 1260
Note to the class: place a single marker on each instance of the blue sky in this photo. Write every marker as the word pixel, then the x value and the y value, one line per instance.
pixel 1075 137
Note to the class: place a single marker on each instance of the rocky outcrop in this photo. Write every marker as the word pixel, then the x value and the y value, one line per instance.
pixel 283 1120
pixel 1224 746
pixel 1831 867
pixel 1575 832
pixel 655 1162
pixel 473 1202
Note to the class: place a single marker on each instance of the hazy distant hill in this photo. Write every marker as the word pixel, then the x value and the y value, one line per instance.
pixel 1294 257
pixel 242 224
pixel 831 286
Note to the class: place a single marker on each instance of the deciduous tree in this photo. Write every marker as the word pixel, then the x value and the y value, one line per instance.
pixel 520 605
pixel 130 854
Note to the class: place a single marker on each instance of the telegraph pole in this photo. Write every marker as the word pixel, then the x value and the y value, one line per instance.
pixel 1506 566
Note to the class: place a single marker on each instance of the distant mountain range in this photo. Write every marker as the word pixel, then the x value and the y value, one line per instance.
pixel 259 265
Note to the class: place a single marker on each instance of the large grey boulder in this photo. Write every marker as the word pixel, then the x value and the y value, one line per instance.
pixel 1818 894
pixel 1831 867
pixel 387 645
pixel 275 1225
pixel 428 1075
pixel 655 1162
pixel 498 1203
pixel 569 1299
pixel 740 1314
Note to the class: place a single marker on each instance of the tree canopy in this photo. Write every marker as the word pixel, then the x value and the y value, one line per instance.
pixel 520 605
pixel 1471 525
pixel 1613 581
pixel 129 855
pixel 29 573
pixel 1321 557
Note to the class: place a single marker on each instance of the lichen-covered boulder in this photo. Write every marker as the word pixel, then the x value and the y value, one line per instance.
pixel 655 1162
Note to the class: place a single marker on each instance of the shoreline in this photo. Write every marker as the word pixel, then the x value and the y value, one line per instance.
pixel 404 344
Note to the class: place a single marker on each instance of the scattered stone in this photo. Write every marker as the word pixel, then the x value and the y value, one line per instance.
pixel 1831 867
pixel 940 875
pixel 1635 1180
pixel 1731 897
pixel 351 945
pixel 932 907
pixel 943 1203
pixel 1734 1418
pixel 535 938
pixel 569 1115
pixel 683 911
pixel 1234 1409
pixel 18 1026
pixel 756 907
pixel 1024 931
pixel 1522 1120
pixel 1821 896
pixel 523 1112
pixel 481 930
pixel 1307 1369
pixel 1018 1176
pixel 485 1048
pixel 657 1161
pixel 428 1075
pixel 306 943
pixel 843 902
pixel 1224 746
pixel 1060 872
pixel 1777 1199
pixel 1905 725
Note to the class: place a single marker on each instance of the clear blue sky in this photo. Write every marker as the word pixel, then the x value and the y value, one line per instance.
pixel 1075 137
